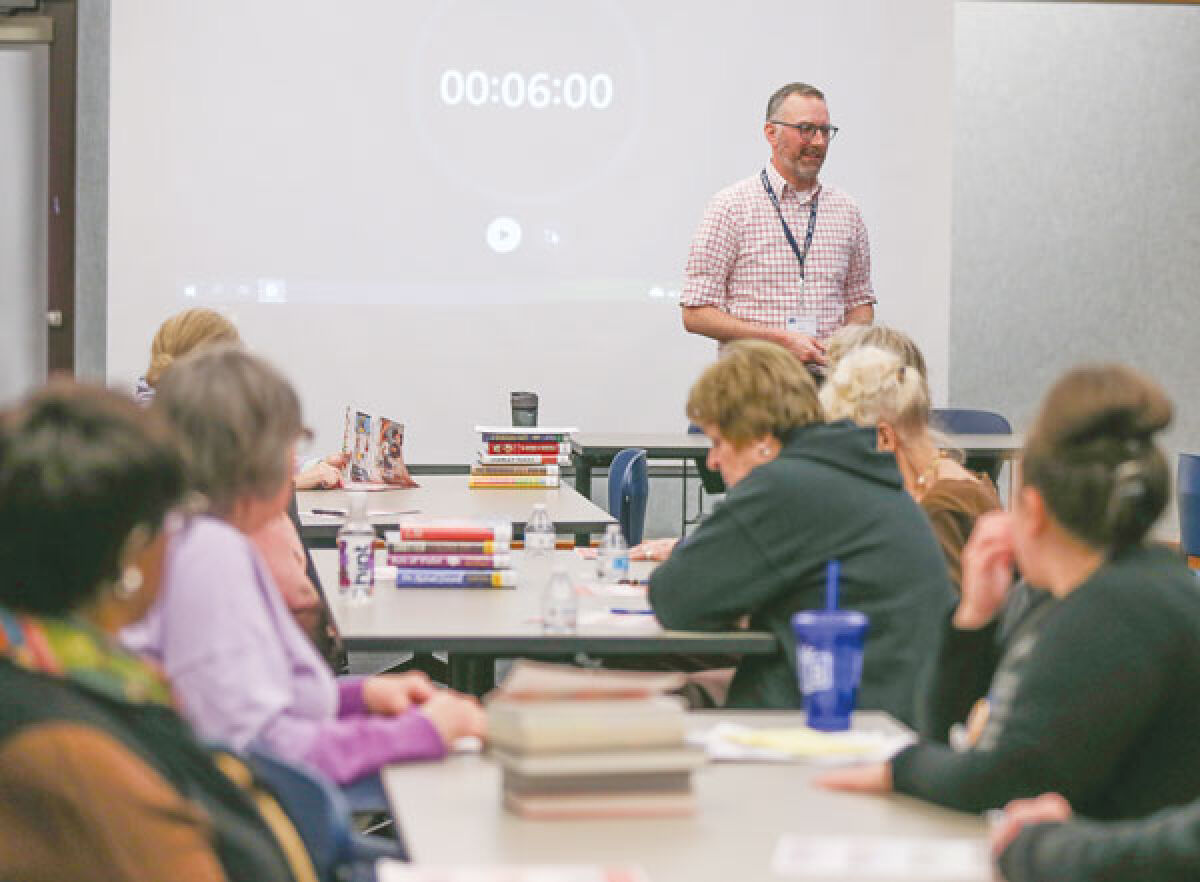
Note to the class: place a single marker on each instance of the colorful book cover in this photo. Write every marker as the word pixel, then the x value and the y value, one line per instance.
pixel 556 437
pixel 502 481
pixel 358 445
pixel 524 459
pixel 543 447
pixel 450 530
pixel 426 578
pixel 390 447
pixel 451 561
pixel 401 546
pixel 514 470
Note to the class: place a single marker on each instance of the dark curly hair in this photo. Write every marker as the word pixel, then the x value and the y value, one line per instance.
pixel 80 468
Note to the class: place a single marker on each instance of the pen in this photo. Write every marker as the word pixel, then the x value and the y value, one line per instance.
pixel 633 612
pixel 336 512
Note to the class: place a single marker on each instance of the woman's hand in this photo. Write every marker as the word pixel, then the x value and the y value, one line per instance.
pixel 319 476
pixel 455 716
pixel 389 695
pixel 653 549
pixel 1049 807
pixel 399 476
pixel 872 778
pixel 987 571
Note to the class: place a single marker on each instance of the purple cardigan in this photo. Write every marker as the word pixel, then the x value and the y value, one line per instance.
pixel 244 672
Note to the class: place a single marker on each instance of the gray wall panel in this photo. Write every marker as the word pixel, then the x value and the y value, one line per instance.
pixel 91 191
pixel 1076 200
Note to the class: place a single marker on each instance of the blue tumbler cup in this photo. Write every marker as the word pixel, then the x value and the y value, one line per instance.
pixel 829 657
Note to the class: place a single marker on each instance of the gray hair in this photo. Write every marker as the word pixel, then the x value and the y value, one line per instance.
pixel 781 94
pixel 236 417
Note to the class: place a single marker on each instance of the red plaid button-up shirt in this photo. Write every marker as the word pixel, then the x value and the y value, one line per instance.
pixel 741 263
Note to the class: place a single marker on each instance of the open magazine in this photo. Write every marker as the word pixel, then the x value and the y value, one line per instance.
pixel 376 451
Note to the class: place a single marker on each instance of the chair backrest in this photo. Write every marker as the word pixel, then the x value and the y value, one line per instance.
pixel 628 490
pixel 965 421
pixel 1187 488
pixel 316 808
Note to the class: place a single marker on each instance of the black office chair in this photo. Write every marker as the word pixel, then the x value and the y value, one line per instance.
pixel 966 421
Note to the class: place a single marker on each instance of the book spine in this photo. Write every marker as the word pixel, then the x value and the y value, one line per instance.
pixel 556 437
pixel 419 578
pixel 419 547
pixel 409 532
pixel 523 459
pixel 512 481
pixel 514 470
pixel 452 561
pixel 545 447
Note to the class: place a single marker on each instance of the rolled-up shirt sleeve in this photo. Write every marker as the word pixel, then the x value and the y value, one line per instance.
pixel 712 256
pixel 858 290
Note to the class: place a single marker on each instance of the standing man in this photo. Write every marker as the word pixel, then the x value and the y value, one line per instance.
pixel 780 256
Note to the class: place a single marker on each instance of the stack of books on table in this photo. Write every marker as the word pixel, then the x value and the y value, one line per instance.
pixel 516 456
pixel 593 744
pixel 451 554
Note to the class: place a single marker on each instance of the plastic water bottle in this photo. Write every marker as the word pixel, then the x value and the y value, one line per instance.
pixel 612 563
pixel 560 606
pixel 356 553
pixel 540 538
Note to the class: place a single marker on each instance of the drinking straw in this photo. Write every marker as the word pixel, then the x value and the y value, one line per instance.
pixel 833 571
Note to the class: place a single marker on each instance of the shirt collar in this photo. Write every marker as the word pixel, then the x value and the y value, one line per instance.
pixel 782 186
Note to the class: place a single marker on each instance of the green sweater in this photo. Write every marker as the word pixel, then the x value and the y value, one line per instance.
pixel 1096 697
pixel 763 551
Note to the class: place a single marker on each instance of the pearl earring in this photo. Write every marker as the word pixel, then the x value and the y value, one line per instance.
pixel 764 450
pixel 130 583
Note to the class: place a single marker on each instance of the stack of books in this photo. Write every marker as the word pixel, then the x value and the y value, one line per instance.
pixel 611 747
pixel 515 456
pixel 451 554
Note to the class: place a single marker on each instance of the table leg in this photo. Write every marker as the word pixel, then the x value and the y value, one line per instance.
pixel 472 674
pixel 583 486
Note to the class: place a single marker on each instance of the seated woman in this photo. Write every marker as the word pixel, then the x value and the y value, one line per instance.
pixel 1095 694
pixel 99 777
pixel 242 669
pixel 874 388
pixel 187 330
pixel 1038 841
pixel 801 493
pixel 277 540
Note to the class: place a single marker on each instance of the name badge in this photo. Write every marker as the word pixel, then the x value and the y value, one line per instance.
pixel 802 324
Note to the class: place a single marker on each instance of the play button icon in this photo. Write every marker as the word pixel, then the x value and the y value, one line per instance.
pixel 504 235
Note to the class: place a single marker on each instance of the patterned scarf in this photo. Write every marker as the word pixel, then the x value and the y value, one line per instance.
pixel 74 650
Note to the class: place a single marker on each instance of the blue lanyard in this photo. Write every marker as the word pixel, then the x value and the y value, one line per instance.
pixel 787 231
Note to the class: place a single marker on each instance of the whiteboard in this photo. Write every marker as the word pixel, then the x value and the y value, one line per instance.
pixel 418 207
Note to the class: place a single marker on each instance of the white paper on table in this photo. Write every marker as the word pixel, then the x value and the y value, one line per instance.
pixel 396 871
pixel 723 742
pixel 942 859
pixel 642 622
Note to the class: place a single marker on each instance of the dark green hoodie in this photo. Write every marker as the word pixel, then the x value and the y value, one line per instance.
pixel 763 551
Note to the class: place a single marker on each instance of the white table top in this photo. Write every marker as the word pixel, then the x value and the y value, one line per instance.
pixel 450 813
pixel 448 496
pixel 493 621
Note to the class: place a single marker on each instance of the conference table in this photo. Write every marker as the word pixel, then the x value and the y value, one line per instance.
pixel 475 627
pixel 450 813
pixel 448 496
pixel 591 450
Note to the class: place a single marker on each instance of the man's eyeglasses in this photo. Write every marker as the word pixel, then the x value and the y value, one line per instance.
pixel 807 130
